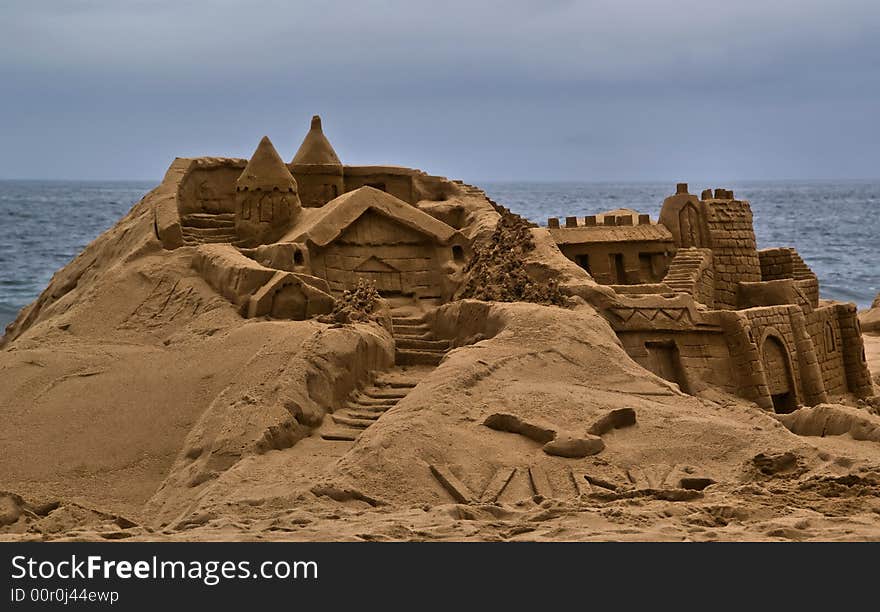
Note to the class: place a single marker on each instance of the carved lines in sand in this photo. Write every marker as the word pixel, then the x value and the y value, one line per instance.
pixel 166 301
pixel 674 483
pixel 498 483
pixel 652 314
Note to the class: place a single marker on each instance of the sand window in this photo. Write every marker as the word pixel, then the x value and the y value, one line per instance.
pixel 830 345
pixel 618 268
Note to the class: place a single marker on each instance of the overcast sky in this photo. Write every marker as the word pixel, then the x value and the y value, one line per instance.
pixel 549 90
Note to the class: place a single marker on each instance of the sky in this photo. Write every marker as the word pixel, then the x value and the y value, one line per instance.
pixel 607 90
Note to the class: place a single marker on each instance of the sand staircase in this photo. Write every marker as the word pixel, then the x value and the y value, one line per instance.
pixel 414 343
pixel 799 268
pixel 204 228
pixel 364 407
pixel 685 269
pixel 417 354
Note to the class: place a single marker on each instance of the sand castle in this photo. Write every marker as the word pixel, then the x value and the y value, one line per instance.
pixel 282 239
pixel 694 300
pixel 700 305
pixel 266 339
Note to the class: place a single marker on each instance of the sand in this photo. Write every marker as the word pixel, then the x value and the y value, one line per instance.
pixel 139 405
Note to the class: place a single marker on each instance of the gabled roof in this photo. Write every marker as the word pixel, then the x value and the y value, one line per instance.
pixel 328 222
pixel 266 170
pixel 315 148
pixel 374 264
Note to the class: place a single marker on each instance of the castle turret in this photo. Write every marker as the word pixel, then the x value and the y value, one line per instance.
pixel 267 202
pixel 317 168
pixel 686 216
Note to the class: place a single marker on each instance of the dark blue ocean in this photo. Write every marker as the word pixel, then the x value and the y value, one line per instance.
pixel 834 226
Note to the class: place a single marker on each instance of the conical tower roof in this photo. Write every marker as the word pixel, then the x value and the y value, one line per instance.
pixel 315 148
pixel 266 170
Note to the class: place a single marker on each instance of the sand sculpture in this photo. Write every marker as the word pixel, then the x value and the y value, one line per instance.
pixel 700 305
pixel 281 348
pixel 352 224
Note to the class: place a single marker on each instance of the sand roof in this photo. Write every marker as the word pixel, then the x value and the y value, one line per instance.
pixel 315 148
pixel 266 170
pixel 611 233
pixel 334 217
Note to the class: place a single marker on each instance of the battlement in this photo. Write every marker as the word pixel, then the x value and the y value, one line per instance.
pixel 720 194
pixel 606 219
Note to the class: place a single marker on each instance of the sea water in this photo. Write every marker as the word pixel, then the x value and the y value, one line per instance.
pixel 835 226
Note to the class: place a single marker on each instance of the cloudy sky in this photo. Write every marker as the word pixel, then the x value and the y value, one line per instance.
pixel 480 90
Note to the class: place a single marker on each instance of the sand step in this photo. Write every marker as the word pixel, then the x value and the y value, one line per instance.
pixel 205 220
pixel 212 232
pixel 387 394
pixel 365 400
pixel 408 320
pixel 408 357
pixel 354 423
pixel 376 407
pixel 395 384
pixel 369 409
pixel 197 241
pixel 424 336
pixel 422 344
pixel 410 329
pixel 341 435
pixel 361 415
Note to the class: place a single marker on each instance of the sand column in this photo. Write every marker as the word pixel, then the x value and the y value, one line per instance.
pixel 746 359
pixel 812 383
pixel 858 377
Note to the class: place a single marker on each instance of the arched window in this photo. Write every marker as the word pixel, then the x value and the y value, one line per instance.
pixel 830 344
pixel 266 208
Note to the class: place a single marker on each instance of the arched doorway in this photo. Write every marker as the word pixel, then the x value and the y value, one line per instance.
pixel 778 373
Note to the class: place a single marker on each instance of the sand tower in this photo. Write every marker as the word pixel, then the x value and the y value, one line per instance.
pixel 317 168
pixel 266 197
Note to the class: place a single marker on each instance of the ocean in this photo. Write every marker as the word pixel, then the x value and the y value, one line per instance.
pixel 835 226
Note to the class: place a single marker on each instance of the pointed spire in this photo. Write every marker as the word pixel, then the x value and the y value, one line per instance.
pixel 266 170
pixel 315 148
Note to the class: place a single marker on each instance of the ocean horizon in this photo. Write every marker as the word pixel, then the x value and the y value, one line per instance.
pixel 833 224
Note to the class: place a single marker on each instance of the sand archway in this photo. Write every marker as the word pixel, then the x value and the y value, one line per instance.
pixel 777 369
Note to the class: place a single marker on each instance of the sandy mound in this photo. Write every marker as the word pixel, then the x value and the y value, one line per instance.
pixel 563 369
pixel 870 319
pixel 141 405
